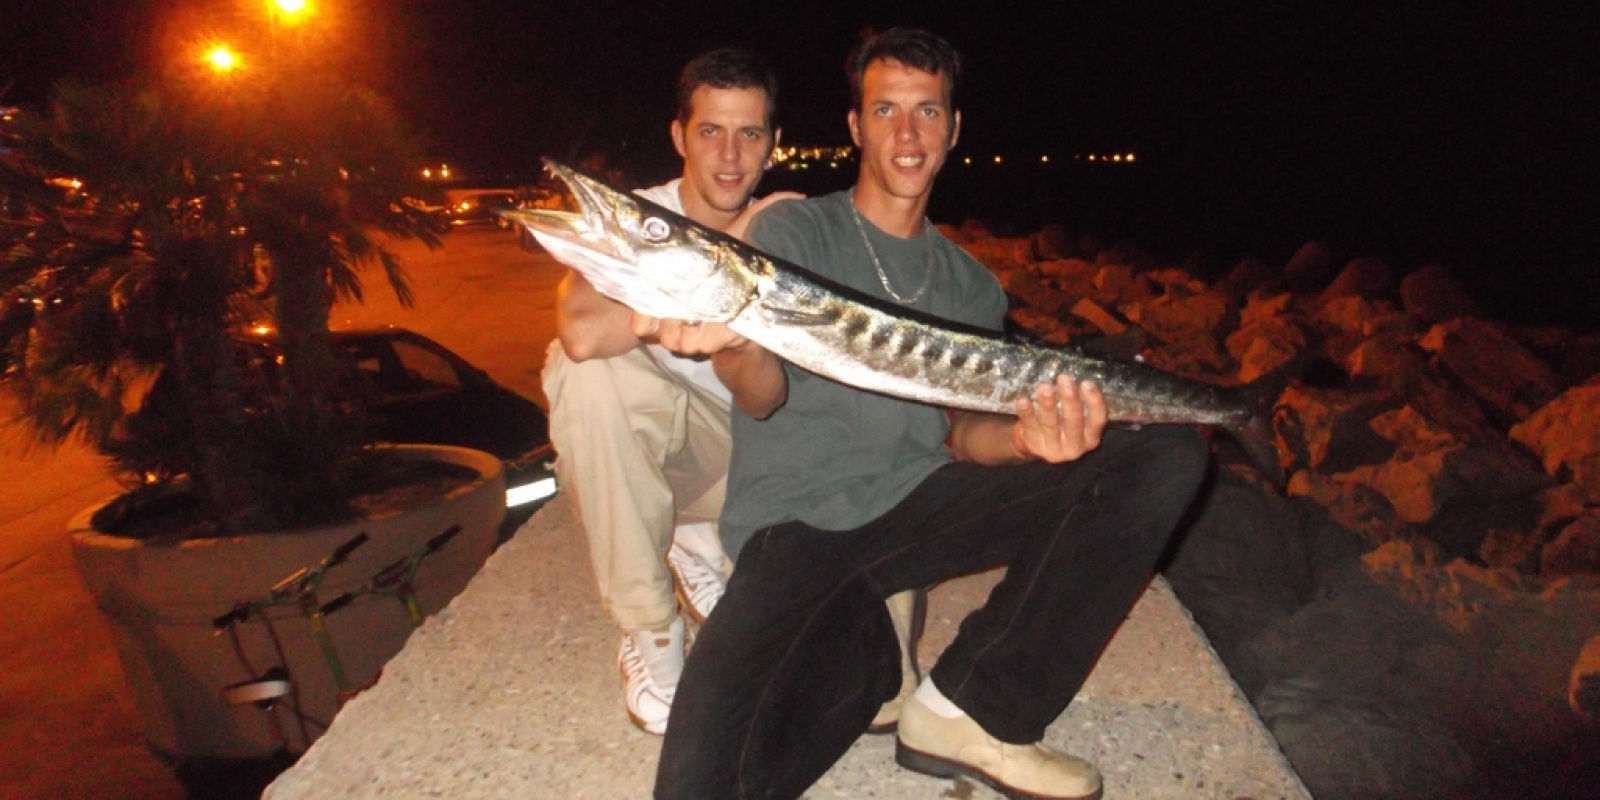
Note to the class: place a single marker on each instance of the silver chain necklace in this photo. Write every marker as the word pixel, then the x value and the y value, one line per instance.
pixel 927 259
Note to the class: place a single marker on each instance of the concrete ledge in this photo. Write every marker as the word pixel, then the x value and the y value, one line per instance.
pixel 512 691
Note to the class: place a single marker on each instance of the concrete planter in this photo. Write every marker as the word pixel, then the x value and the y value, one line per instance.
pixel 160 599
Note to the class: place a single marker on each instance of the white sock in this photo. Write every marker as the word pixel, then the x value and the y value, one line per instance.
pixel 662 651
pixel 930 696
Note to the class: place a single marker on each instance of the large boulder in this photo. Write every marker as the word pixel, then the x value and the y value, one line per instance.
pixel 1432 294
pixel 1052 242
pixel 1576 550
pixel 1503 375
pixel 1264 345
pixel 1330 430
pixel 1565 435
pixel 1311 267
pixel 1367 277
pixel 1246 277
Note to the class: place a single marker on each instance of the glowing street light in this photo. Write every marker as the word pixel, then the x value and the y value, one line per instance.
pixel 290 8
pixel 222 59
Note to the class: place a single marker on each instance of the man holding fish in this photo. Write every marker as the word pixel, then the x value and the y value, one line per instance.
pixel 838 498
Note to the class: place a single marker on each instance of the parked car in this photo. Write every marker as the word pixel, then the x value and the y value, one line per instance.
pixel 413 390
pixel 471 207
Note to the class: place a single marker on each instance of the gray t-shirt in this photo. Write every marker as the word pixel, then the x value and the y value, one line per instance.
pixel 833 456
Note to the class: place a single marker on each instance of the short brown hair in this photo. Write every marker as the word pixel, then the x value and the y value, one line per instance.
pixel 909 46
pixel 727 68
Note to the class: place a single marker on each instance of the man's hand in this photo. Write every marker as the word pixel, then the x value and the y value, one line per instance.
pixel 1060 422
pixel 741 223
pixel 686 338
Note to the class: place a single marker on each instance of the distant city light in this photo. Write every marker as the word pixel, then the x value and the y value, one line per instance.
pixel 967 160
pixel 802 157
pixel 1044 159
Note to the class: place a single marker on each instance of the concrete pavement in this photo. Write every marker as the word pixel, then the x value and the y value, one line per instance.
pixel 513 692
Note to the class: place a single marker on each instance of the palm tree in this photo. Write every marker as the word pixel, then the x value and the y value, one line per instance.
pixel 143 223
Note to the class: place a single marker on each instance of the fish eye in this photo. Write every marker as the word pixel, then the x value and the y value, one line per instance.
pixel 656 229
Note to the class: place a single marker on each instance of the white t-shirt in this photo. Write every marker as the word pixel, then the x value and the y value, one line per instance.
pixel 694 370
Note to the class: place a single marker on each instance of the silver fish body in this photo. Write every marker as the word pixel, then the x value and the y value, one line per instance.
pixel 665 265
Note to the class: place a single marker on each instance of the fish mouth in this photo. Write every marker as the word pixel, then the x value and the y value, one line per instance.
pixel 590 228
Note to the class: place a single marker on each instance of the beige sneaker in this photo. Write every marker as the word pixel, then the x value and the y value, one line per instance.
pixel 949 748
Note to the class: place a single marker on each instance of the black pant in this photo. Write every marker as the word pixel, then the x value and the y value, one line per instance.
pixel 800 652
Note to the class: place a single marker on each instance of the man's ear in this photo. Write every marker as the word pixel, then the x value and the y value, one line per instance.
pixel 955 131
pixel 677 138
pixel 854 120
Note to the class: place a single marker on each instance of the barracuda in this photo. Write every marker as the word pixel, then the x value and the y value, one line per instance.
pixel 665 265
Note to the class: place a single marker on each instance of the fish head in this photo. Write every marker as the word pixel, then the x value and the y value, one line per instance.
pixel 640 254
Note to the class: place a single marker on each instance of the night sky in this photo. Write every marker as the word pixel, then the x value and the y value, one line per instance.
pixel 1464 132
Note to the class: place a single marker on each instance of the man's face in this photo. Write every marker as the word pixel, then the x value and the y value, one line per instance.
pixel 725 145
pixel 904 128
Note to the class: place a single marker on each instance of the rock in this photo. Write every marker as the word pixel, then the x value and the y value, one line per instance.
pixel 1028 288
pixel 951 232
pixel 1310 268
pixel 1117 283
pixel 1367 277
pixel 1264 305
pixel 1492 366
pixel 1384 356
pixel 975 229
pixel 1247 276
pixel 1583 691
pixel 1353 505
pixel 1349 322
pixel 1512 549
pixel 1432 295
pixel 1575 357
pixel 1565 435
pixel 1359 673
pixel 997 253
pixel 1264 345
pixel 1126 254
pixel 1576 551
pixel 1174 318
pixel 1195 356
pixel 1051 242
pixel 1049 328
pixel 1090 311
pixel 1330 430
pixel 1422 486
pixel 1249 558
pixel 1068 270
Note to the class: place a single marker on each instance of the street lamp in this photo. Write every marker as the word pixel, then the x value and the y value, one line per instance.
pixel 221 59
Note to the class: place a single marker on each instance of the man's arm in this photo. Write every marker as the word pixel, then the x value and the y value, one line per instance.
pixel 1059 423
pixel 590 324
pixel 753 375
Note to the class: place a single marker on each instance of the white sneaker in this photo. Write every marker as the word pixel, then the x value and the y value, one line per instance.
pixel 651 663
pixel 698 583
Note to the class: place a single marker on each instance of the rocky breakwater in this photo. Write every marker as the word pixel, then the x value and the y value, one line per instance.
pixel 1418 614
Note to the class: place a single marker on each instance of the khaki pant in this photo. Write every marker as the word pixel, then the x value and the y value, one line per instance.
pixel 641 452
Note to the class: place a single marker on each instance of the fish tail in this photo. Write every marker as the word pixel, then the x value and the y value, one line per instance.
pixel 1254 432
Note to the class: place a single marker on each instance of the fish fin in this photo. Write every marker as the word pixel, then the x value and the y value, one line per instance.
pixel 1255 433
pixel 1257 438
